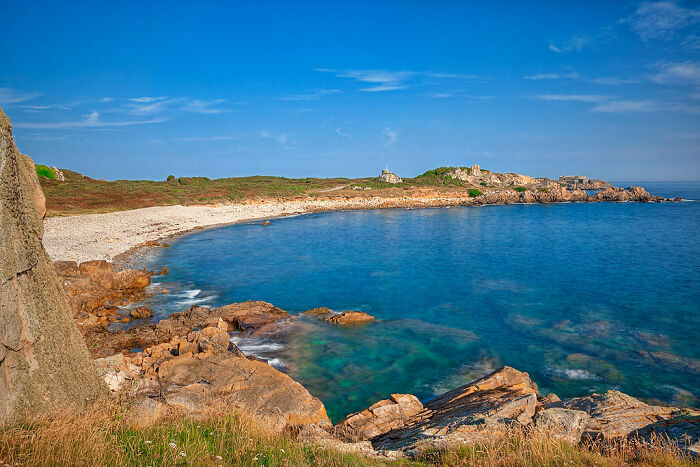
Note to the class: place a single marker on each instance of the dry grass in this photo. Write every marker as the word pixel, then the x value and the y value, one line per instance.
pixel 104 437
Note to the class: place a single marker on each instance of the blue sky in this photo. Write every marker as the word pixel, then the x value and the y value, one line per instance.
pixel 145 89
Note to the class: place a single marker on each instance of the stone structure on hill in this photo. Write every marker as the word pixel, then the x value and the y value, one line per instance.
pixel 389 177
pixel 44 363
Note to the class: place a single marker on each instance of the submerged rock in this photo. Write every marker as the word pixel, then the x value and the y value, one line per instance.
pixel 44 364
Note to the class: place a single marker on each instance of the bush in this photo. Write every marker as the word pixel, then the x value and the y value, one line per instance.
pixel 483 184
pixel 170 178
pixel 45 171
pixel 473 193
pixel 519 189
pixel 543 190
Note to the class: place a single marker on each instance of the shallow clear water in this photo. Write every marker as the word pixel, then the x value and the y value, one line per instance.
pixel 585 297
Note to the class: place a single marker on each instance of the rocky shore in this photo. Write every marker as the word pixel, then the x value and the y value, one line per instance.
pixel 187 362
pixel 105 236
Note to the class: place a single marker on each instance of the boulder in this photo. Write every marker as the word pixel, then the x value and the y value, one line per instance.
pixel 471 412
pixel 141 312
pixel 318 312
pixel 44 364
pixel 683 430
pixel 385 415
pixel 204 369
pixel 350 317
pixel 562 423
pixel 615 414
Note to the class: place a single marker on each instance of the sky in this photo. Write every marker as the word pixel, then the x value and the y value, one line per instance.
pixel 141 90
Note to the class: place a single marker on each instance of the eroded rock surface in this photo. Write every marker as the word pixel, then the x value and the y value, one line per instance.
pixel 467 413
pixel 44 364
pixel 379 418
pixel 615 414
pixel 683 430
pixel 562 423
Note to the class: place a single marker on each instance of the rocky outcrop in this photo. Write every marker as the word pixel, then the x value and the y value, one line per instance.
pixel 615 414
pixel 382 417
pixel 562 423
pixel 347 318
pixel 468 413
pixel 580 182
pixel 95 292
pixel 203 369
pixel 633 193
pixel 389 177
pixel 475 176
pixel 44 364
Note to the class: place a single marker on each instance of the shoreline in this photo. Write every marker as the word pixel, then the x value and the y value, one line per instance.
pixel 112 236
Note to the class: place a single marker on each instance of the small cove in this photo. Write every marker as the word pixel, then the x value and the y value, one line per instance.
pixel 585 297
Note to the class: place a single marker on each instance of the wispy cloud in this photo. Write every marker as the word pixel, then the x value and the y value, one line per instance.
pixel 389 80
pixel 623 105
pixel 458 94
pixel 208 138
pixel 41 108
pixel 106 99
pixel 542 76
pixel 312 96
pixel 12 96
pixel 572 97
pixel 205 106
pixel 392 135
pixel 339 132
pixel 677 73
pixel 282 138
pixel 145 100
pixel 575 44
pixel 661 20
pixel 90 120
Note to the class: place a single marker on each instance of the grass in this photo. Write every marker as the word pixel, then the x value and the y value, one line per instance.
pixel 45 171
pixel 108 437
pixel 474 193
pixel 519 189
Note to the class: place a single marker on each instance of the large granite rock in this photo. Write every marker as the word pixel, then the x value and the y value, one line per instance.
pixel 470 412
pixel 204 369
pixel 615 414
pixel 560 423
pixel 348 318
pixel 44 364
pixel 385 415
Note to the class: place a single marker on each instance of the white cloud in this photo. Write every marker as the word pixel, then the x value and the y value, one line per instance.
pixel 554 48
pixel 145 100
pixel 682 73
pixel 311 96
pixel 459 94
pixel 575 44
pixel 11 96
pixel 611 80
pixel 209 138
pixel 339 132
pixel 41 108
pixel 282 138
pixel 661 20
pixel 106 99
pixel 572 97
pixel 91 120
pixel 542 76
pixel 622 105
pixel 388 80
pixel 392 135
pixel 204 106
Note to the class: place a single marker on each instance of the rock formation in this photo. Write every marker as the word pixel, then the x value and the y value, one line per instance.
pixel 475 176
pixel 350 317
pixel 44 364
pixel 389 177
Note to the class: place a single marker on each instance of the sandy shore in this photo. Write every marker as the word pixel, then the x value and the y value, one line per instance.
pixel 104 236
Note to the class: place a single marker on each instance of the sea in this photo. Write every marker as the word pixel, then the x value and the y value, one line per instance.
pixel 585 297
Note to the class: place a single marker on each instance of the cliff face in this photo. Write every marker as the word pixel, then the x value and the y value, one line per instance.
pixel 44 363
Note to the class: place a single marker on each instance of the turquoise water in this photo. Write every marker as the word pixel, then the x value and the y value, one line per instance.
pixel 585 297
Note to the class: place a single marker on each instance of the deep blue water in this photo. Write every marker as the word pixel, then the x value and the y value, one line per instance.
pixel 585 297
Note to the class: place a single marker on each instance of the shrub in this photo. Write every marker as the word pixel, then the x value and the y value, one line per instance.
pixel 543 190
pixel 483 184
pixel 45 171
pixel 170 178
pixel 473 193
pixel 519 189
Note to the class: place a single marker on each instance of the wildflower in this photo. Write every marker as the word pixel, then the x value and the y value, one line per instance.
pixel 172 445
pixel 211 433
pixel 281 449
pixel 147 442
pixel 182 454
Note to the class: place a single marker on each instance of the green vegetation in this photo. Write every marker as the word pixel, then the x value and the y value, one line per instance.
pixel 110 437
pixel 543 190
pixel 473 193
pixel 45 171
pixel 519 189
pixel 483 184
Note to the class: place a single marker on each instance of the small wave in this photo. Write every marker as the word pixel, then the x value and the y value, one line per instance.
pixel 571 374
pixel 260 349
pixel 189 293
pixel 276 363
